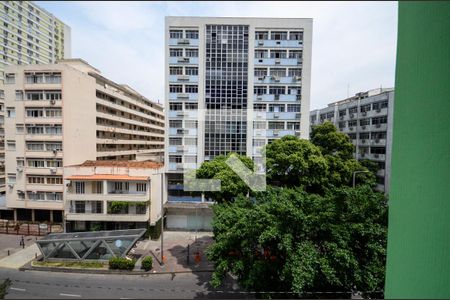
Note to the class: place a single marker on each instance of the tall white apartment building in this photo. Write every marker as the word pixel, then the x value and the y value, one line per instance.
pixel 28 35
pixel 64 114
pixel 367 118
pixel 231 68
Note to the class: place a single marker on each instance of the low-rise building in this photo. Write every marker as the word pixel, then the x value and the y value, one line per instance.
pixel 112 195
pixel 367 118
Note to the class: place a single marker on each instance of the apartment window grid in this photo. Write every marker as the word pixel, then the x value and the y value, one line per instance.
pixel 226 89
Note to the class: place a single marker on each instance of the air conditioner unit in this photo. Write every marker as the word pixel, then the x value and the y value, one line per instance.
pixel 378 110
pixel 52 102
pixel 351 128
pixel 19 169
pixel 378 125
pixel 53 170
pixel 297 78
pixel 261 78
pixel 277 97
pixel 183 42
pixel 352 116
pixel 278 43
pixel 377 141
pixel 363 141
pixel 376 155
pixel 260 43
pixel 259 98
pixel 363 127
pixel 276 78
pixel 297 115
pixel 341 118
pixel 364 113
pixel 11 185
pixel 276 115
pixel 275 133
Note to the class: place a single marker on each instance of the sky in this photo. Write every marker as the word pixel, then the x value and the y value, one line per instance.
pixel 354 43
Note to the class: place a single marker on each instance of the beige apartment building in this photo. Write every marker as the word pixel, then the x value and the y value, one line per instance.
pixel 64 114
pixel 112 195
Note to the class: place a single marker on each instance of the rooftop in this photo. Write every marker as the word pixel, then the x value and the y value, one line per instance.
pixel 107 177
pixel 146 164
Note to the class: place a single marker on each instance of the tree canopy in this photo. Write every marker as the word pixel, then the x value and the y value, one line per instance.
pixel 290 240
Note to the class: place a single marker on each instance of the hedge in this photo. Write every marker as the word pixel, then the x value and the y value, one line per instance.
pixel 147 263
pixel 122 263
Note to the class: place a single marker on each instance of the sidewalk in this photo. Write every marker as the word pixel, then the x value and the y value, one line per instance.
pixel 176 251
pixel 20 258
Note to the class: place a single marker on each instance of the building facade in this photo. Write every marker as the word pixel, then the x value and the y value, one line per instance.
pixel 30 35
pixel 64 114
pixel 367 118
pixel 232 85
pixel 112 195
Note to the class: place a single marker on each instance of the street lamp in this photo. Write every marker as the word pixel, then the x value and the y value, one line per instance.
pixel 354 177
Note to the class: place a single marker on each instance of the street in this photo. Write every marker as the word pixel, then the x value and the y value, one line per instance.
pixel 57 285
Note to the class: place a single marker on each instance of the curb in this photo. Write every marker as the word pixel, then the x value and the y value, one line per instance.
pixel 112 272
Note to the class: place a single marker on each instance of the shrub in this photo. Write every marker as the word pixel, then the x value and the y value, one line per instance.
pixel 122 263
pixel 147 263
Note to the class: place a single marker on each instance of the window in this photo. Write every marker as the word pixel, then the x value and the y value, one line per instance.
pixel 278 35
pixel 11 179
pixel 353 110
pixel 190 159
pixel 19 95
pixel 175 141
pixel 363 122
pixel 261 35
pixel 191 52
pixel 175 158
pixel 260 72
pixel 36 180
pixel 175 123
pixel 35 113
pixel 342 112
pixel 176 34
pixel 53 130
pixel 191 88
pixel 276 107
pixel 293 107
pixel 191 71
pixel 190 141
pixel 379 135
pixel 190 124
pixel 365 108
pixel 2 94
pixel 53 146
pixel 294 72
pixel 175 106
pixel 352 136
pixel 176 70
pixel 141 187
pixel 176 52
pixel 278 72
pixel 10 112
pixel 278 53
pixel 296 35
pixel 352 123
pixel 259 143
pixel 34 95
pixel 10 78
pixel 53 95
pixel 10 145
pixel 121 186
pixel 341 124
pixel 259 107
pixel 295 54
pixel 259 125
pixel 141 209
pixel 192 34
pixel 54 180
pixel 80 207
pixel 54 196
pixel 54 163
pixel 175 88
pixel 261 53
pixel 364 135
pixel 191 106
pixel 34 163
pixel 294 90
pixel 293 126
pixel 276 125
pixel 260 90
pixel 275 90
pixel 35 146
pixel 53 113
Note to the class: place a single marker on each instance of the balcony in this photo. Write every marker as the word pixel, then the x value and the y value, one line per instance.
pixel 183 60
pixel 183 42
pixel 278 43
pixel 283 116
pixel 277 62
pixel 181 166
pixel 183 78
pixel 183 96
pixel 132 197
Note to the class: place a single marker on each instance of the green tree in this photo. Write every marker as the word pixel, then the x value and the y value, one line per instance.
pixel 291 161
pixel 286 239
pixel 337 150
pixel 4 288
pixel 231 184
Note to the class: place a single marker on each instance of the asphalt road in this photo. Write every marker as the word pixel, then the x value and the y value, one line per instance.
pixel 57 285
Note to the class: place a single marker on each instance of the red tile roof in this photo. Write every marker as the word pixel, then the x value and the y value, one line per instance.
pixel 146 164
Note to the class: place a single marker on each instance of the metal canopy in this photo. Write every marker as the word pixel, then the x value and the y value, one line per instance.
pixel 99 245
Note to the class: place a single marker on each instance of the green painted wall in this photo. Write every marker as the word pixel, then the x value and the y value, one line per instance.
pixel 418 261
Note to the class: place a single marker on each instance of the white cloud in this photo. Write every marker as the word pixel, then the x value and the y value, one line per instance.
pixel 353 42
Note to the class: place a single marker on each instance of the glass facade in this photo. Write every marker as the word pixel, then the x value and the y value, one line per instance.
pixel 226 89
